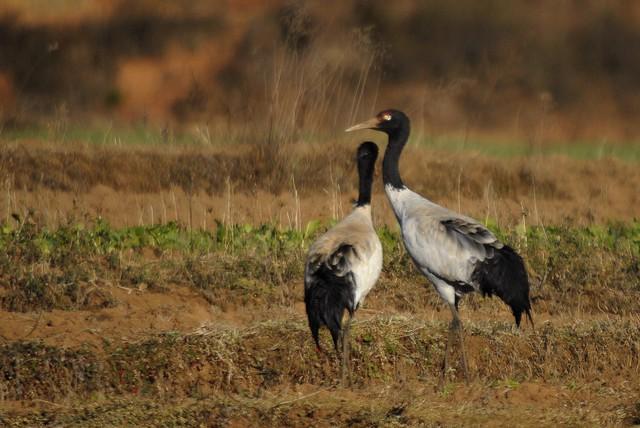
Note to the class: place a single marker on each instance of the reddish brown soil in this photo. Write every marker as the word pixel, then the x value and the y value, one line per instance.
pixel 136 315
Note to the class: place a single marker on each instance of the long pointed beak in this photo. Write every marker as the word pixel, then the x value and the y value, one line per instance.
pixel 372 123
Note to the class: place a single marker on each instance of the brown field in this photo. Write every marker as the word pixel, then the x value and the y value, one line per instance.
pixel 293 184
pixel 164 166
pixel 173 337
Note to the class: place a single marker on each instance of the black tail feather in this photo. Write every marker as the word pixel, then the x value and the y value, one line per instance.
pixel 326 297
pixel 505 276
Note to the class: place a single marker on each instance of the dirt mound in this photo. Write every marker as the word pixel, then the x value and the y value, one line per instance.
pixel 133 316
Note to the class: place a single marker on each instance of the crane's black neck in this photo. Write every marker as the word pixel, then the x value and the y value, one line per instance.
pixel 397 139
pixel 365 172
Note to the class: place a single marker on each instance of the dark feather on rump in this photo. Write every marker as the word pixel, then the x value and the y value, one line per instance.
pixel 460 286
pixel 505 276
pixel 329 291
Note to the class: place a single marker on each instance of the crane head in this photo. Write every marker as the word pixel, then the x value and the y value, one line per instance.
pixel 387 121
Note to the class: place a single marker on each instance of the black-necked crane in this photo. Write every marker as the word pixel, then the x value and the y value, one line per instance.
pixel 455 252
pixel 344 264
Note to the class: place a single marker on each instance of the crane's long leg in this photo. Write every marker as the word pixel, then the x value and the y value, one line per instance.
pixel 346 360
pixel 455 328
pixel 456 324
pixel 445 363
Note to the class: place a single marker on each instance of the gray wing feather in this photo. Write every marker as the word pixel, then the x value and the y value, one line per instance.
pixel 339 261
pixel 472 230
pixel 472 235
pixel 449 246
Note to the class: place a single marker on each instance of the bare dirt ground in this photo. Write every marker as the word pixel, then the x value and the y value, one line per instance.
pixel 142 313
pixel 137 315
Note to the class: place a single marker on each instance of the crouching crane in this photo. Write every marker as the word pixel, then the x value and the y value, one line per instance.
pixel 344 264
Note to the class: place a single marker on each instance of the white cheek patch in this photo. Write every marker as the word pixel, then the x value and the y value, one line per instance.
pixel 386 116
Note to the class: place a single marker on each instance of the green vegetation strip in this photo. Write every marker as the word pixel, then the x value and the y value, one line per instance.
pixel 493 147
pixel 98 237
pixel 596 268
pixel 511 148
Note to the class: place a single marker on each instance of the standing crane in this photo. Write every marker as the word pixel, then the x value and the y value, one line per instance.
pixel 455 252
pixel 344 264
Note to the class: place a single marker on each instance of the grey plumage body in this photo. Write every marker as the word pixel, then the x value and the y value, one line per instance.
pixel 445 246
pixel 363 261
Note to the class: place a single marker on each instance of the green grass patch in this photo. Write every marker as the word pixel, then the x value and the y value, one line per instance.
pixel 143 135
pixel 509 148
pixel 60 268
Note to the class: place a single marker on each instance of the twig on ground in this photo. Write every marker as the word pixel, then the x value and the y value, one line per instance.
pixel 304 397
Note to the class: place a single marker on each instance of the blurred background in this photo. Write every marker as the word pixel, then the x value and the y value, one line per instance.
pixel 569 69
pixel 174 110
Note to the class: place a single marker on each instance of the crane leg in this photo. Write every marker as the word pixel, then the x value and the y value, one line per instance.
pixel 445 363
pixel 455 328
pixel 346 360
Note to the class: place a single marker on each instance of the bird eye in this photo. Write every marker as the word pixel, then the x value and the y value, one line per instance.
pixel 386 116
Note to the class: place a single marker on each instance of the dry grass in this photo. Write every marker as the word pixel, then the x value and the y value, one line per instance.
pixel 250 365
pixel 383 407
pixel 197 184
pixel 270 354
